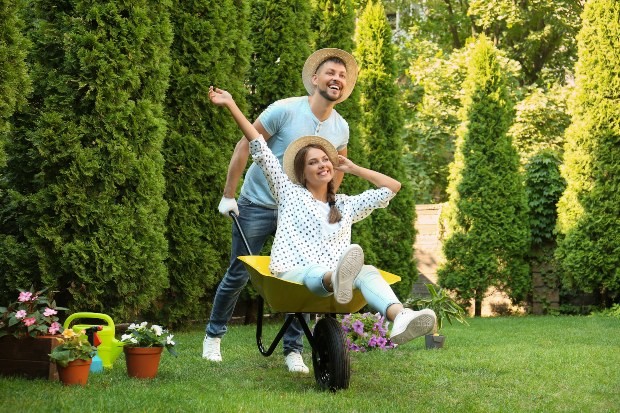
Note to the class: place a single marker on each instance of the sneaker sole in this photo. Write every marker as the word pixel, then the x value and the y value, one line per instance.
pixel 348 267
pixel 419 326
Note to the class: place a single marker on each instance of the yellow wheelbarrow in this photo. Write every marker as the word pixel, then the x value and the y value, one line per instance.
pixel 330 354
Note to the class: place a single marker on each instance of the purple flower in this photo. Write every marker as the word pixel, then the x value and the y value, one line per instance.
pixel 358 327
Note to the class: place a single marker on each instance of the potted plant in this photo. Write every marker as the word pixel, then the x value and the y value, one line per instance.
pixel 73 356
pixel 27 329
pixel 143 348
pixel 445 308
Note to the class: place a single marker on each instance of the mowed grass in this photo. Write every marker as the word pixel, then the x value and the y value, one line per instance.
pixel 507 364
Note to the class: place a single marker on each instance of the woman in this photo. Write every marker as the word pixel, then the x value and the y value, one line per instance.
pixel 313 238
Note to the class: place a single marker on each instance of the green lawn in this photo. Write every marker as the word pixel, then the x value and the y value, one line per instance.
pixel 516 364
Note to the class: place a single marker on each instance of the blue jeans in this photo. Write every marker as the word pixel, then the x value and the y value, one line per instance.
pixel 258 224
pixel 376 291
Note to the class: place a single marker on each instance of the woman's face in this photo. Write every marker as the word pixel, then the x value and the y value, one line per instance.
pixel 318 169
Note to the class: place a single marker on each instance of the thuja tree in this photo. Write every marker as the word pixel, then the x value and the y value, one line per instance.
pixel 382 127
pixel 590 206
pixel 14 79
pixel 14 88
pixel 205 51
pixel 487 229
pixel 92 204
pixel 334 26
pixel 281 39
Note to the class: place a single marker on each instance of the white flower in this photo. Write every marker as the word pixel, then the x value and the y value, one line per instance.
pixel 143 324
pixel 278 61
pixel 132 326
pixel 157 330
pixel 169 340
pixel 126 337
pixel 133 340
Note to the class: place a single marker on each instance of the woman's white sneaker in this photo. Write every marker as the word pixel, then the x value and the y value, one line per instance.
pixel 410 324
pixel 349 265
pixel 211 349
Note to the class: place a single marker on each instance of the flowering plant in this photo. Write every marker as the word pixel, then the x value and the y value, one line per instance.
pixel 33 314
pixel 141 335
pixel 73 346
pixel 366 331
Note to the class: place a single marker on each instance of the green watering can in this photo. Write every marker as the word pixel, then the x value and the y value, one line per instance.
pixel 110 348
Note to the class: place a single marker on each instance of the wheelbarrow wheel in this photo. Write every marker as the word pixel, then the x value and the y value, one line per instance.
pixel 330 357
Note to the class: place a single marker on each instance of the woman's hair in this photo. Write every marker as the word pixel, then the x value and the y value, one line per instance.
pixel 299 166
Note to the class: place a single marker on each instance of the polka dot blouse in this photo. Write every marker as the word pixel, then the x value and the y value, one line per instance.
pixel 302 238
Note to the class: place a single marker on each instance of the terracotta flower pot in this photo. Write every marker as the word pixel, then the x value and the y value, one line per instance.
pixel 142 362
pixel 76 372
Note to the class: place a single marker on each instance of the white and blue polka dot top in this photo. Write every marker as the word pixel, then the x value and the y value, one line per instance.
pixel 302 238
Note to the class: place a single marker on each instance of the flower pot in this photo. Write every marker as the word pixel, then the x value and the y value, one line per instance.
pixel 142 362
pixel 433 341
pixel 28 357
pixel 76 372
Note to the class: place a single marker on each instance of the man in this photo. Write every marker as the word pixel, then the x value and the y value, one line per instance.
pixel 329 76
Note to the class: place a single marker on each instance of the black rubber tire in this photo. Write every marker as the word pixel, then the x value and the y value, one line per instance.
pixel 330 357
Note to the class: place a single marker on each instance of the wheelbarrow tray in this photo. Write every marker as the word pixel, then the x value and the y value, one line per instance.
pixel 290 297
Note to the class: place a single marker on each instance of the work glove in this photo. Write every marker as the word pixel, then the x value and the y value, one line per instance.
pixel 226 205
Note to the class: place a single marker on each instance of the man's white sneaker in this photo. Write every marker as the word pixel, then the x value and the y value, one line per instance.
pixel 295 363
pixel 410 324
pixel 349 265
pixel 211 349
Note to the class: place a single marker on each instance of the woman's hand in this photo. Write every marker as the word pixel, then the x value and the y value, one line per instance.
pixel 345 165
pixel 220 97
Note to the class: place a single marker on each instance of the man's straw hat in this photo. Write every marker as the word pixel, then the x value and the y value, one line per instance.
pixel 321 55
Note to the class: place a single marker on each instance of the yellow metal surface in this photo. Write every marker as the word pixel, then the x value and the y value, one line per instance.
pixel 289 297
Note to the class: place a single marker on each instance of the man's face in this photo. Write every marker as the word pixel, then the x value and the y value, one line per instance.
pixel 330 80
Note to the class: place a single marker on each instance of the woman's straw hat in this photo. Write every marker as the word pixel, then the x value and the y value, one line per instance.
pixel 288 161
pixel 321 55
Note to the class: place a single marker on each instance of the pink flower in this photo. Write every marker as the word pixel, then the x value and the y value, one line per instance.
pixel 25 296
pixel 49 312
pixel 30 321
pixel 20 314
pixel 54 328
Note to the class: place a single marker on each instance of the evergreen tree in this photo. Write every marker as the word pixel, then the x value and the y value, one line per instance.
pixel 213 51
pixel 590 206
pixel 86 171
pixel 281 39
pixel 382 127
pixel 334 26
pixel 14 79
pixel 488 235
pixel 14 88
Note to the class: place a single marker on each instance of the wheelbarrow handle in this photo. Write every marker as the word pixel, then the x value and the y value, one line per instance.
pixel 245 241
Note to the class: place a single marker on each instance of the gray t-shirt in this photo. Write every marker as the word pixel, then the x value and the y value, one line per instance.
pixel 287 120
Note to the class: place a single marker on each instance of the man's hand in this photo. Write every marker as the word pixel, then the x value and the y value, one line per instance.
pixel 226 205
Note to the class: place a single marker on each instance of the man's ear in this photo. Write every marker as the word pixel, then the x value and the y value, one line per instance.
pixel 315 79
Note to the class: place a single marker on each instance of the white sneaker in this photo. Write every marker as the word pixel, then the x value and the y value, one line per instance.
pixel 295 363
pixel 410 324
pixel 349 265
pixel 211 349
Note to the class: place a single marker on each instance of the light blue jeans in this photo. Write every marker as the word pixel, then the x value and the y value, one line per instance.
pixel 258 224
pixel 376 291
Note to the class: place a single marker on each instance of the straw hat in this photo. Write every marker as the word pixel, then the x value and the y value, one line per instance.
pixel 288 161
pixel 321 55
